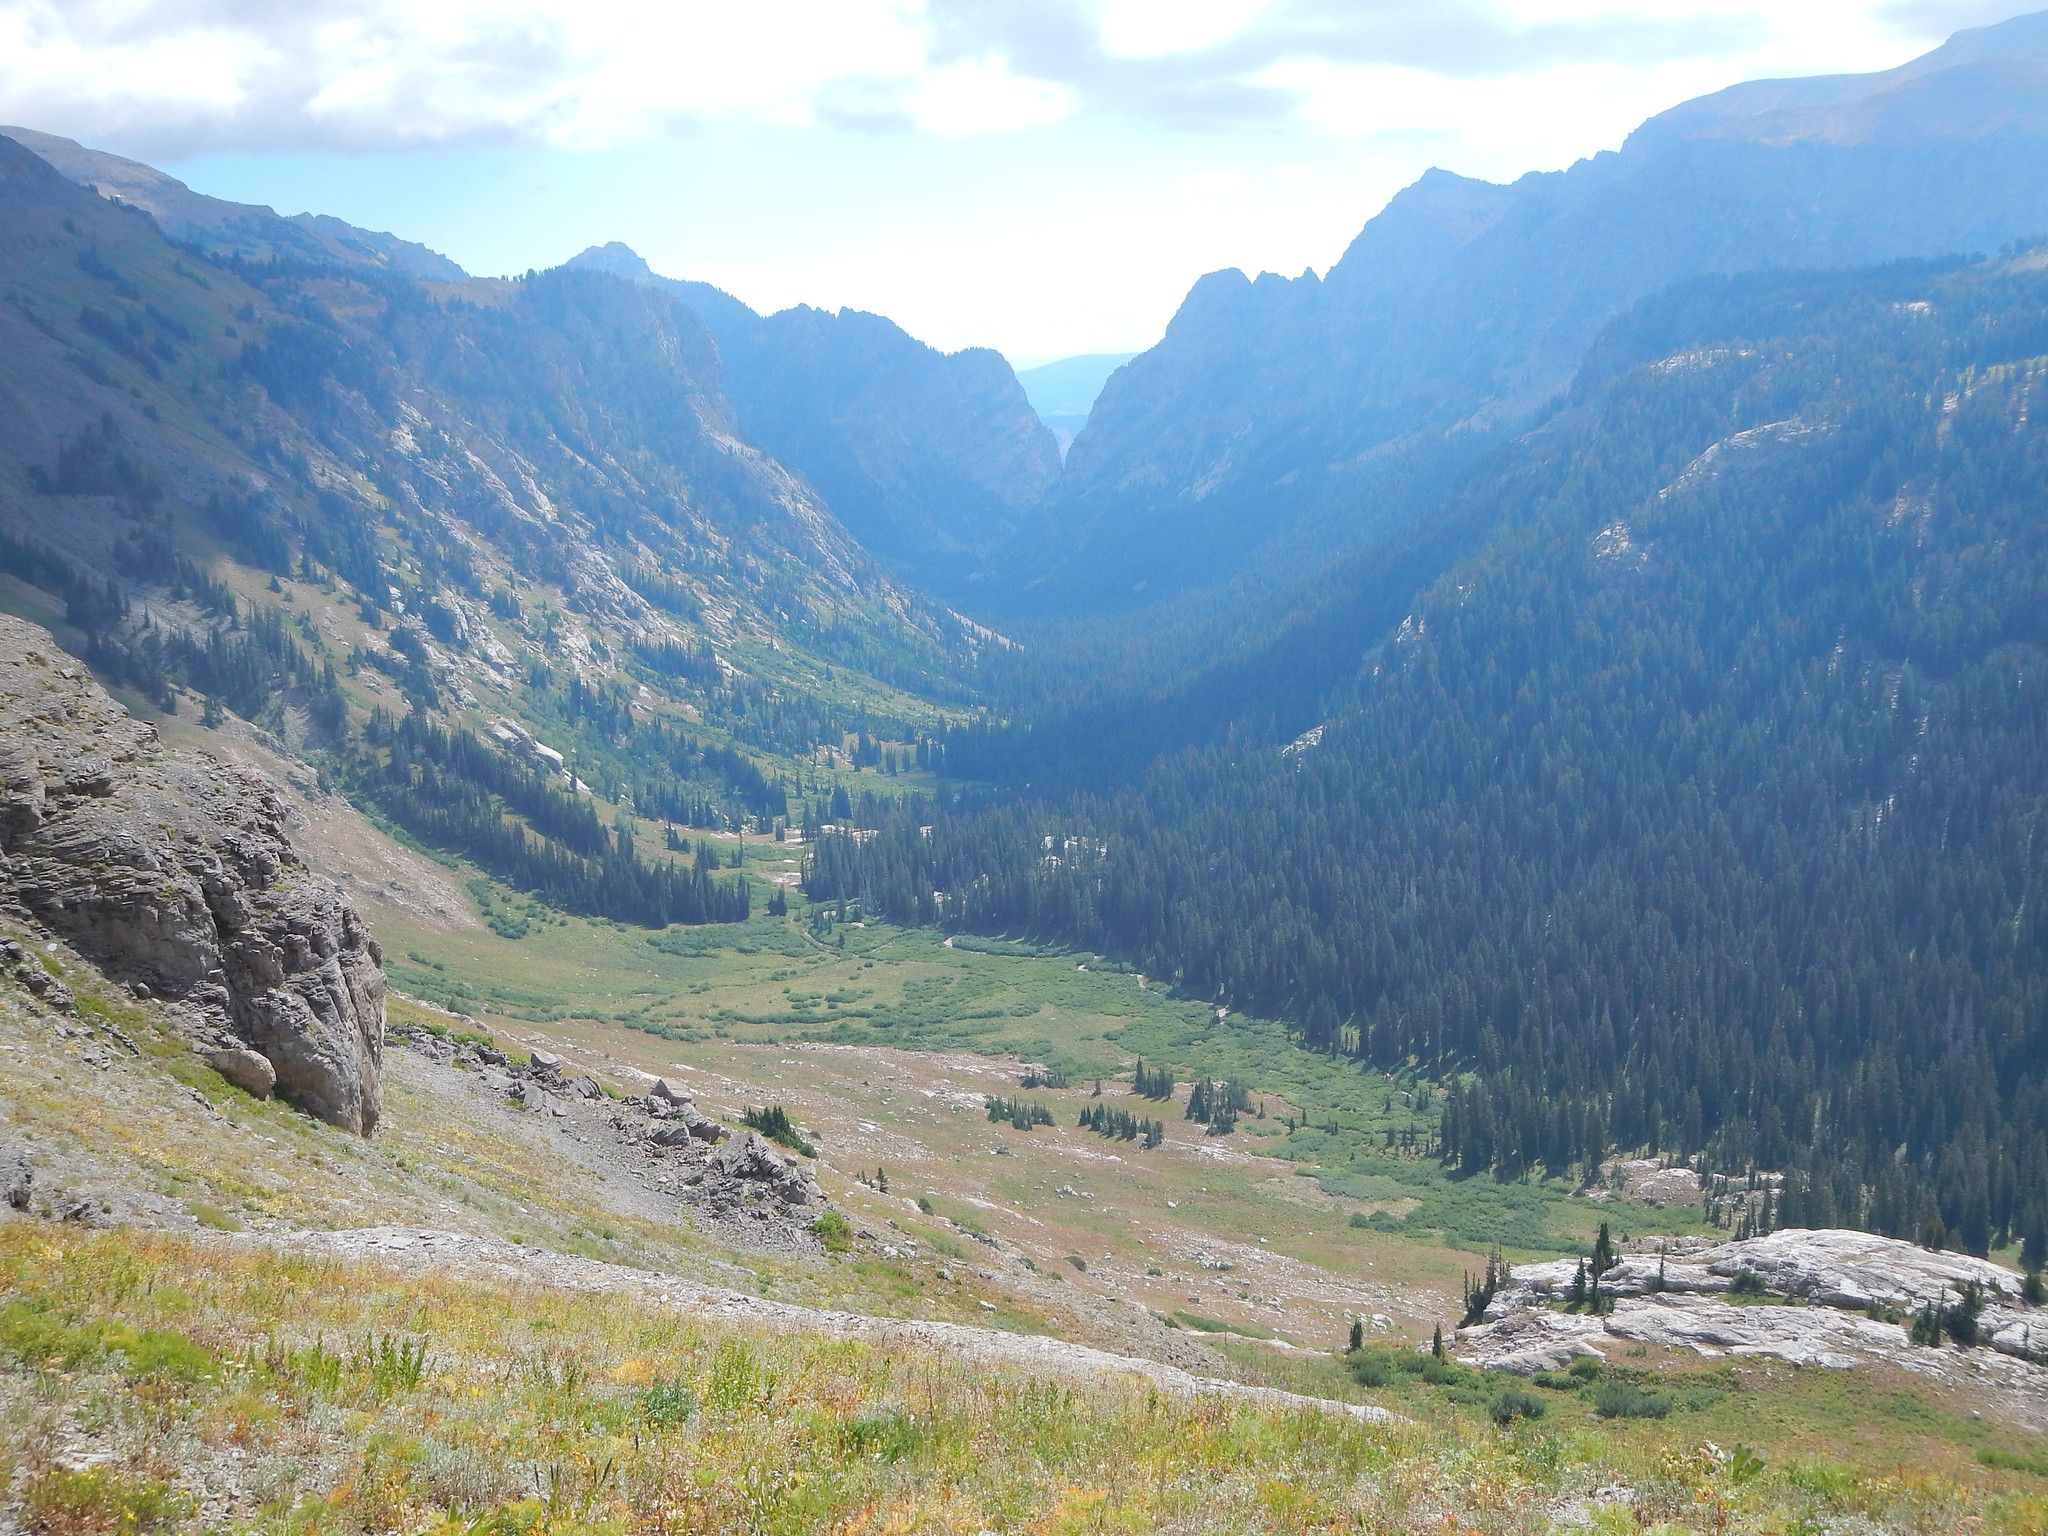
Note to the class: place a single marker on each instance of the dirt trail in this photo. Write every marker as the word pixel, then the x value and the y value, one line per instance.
pixel 461 1254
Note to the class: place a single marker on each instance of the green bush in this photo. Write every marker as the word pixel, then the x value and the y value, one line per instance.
pixel 36 1333
pixel 889 1435
pixel 669 1403
pixel 98 1499
pixel 834 1231
pixel 1513 1404
pixel 1372 1368
pixel 1617 1399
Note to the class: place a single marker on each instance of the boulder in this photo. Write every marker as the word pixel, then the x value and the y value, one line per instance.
pixel 17 1178
pixel 753 1160
pixel 246 1069
pixel 546 1061
pixel 173 870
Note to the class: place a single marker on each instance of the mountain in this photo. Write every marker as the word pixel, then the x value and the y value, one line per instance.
pixel 494 554
pixel 1284 415
pixel 1695 809
pixel 929 458
pixel 1063 392
pixel 233 229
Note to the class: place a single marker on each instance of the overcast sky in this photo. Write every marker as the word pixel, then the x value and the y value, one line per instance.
pixel 1043 176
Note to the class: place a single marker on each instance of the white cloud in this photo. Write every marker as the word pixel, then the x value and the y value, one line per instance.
pixel 176 76
pixel 1153 29
pixel 981 96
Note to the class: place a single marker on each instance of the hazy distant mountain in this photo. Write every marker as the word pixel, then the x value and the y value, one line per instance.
pixel 1063 392
pixel 232 229
pixel 928 457
pixel 1275 406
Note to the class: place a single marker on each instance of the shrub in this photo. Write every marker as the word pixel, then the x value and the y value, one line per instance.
pixel 834 1231
pixel 2011 1461
pixel 889 1435
pixel 394 1364
pixel 670 1402
pixel 1372 1368
pixel 1747 1283
pixel 1512 1404
pixel 1617 1399
pixel 98 1499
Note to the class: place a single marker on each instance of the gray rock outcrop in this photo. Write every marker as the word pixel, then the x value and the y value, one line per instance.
pixel 1828 1297
pixel 172 871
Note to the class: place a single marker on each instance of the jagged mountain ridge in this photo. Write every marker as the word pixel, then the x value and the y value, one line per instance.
pixel 1275 405
pixel 930 458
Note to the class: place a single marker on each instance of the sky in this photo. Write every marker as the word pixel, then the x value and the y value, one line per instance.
pixel 1047 177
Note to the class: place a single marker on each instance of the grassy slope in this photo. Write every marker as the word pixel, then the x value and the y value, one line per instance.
pixel 292 1395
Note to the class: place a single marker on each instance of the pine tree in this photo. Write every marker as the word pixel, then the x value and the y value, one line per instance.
pixel 1603 1253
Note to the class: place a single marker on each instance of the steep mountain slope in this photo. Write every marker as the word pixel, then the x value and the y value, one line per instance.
pixel 1698 809
pixel 929 458
pixel 223 228
pixel 445 537
pixel 1276 408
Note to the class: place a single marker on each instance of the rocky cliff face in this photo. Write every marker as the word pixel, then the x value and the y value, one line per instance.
pixel 173 872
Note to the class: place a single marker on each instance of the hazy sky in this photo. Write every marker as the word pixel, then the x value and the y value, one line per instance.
pixel 1047 178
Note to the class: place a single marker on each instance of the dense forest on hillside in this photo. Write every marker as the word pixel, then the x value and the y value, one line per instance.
pixel 1698 810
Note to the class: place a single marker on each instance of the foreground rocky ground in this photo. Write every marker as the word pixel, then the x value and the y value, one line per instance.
pixel 455 1254
pixel 1835 1299
pixel 402 1381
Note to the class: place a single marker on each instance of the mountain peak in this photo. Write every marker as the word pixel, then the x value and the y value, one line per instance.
pixel 615 257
